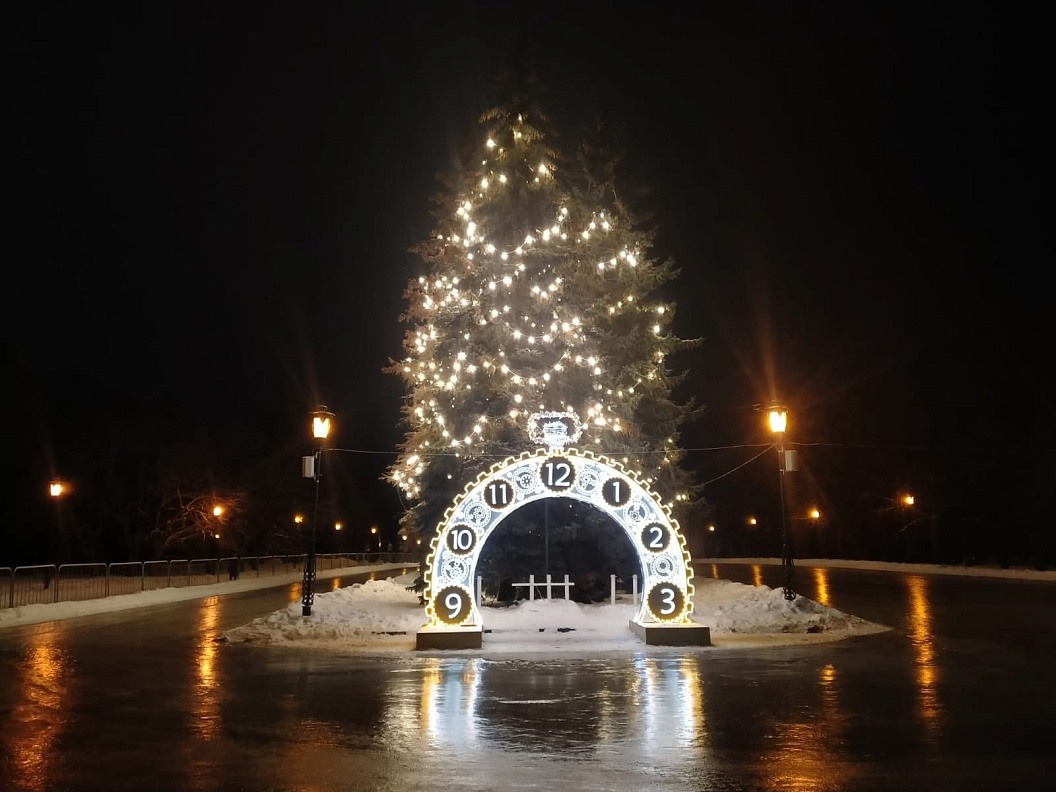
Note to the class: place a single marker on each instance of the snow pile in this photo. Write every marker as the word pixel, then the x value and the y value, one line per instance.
pixel 358 615
pixel 384 614
pixel 729 607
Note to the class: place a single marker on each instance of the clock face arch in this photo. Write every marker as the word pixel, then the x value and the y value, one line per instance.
pixel 579 475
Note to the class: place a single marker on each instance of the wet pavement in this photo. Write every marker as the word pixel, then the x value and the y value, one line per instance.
pixel 958 696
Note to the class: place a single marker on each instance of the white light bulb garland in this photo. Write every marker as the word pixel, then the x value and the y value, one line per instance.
pixel 502 273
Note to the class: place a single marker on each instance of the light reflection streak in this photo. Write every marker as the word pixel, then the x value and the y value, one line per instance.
pixel 715 571
pixel 671 706
pixel 606 716
pixel 447 712
pixel 923 642
pixel 802 758
pixel 645 698
pixel 692 703
pixel 427 717
pixel 40 715
pixel 830 698
pixel 821 578
pixel 471 679
pixel 757 574
pixel 206 702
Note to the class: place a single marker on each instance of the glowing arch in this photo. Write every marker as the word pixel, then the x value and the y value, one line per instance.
pixel 476 513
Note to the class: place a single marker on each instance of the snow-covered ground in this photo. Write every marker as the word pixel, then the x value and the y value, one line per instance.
pixel 384 616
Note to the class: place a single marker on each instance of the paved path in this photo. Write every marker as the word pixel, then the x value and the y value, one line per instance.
pixel 958 696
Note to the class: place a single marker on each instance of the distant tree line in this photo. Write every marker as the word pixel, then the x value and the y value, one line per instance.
pixel 151 487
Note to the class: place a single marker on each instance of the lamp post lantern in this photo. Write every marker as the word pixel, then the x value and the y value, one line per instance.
pixel 908 502
pixel 778 424
pixel 311 468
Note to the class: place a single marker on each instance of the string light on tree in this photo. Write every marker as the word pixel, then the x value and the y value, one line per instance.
pixel 539 290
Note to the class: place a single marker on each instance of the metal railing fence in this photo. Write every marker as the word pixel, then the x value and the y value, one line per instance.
pixel 40 584
pixel 7 575
pixel 32 585
pixel 77 582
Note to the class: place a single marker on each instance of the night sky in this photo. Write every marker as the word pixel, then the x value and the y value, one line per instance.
pixel 212 207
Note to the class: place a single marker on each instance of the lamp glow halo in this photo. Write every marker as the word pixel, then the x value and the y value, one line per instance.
pixel 667 587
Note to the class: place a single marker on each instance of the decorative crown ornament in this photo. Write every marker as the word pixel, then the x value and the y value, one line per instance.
pixel 554 429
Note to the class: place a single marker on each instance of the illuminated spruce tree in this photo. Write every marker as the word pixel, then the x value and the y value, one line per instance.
pixel 540 295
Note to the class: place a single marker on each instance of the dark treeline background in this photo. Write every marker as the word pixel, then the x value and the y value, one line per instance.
pixel 214 210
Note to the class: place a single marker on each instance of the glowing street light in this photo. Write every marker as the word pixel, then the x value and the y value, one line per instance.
pixel 321 423
pixel 815 514
pixel 752 521
pixel 338 526
pixel 56 489
pixel 908 500
pixel 778 423
pixel 310 467
pixel 218 510
pixel 298 518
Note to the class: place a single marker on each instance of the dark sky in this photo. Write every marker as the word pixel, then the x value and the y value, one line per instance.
pixel 212 206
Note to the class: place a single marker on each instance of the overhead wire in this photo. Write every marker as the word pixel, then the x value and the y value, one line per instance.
pixel 734 470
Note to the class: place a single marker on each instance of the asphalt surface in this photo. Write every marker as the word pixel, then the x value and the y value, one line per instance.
pixel 957 696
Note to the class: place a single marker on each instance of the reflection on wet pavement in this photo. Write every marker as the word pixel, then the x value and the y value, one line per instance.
pixel 923 643
pixel 43 682
pixel 156 703
pixel 821 583
pixel 206 706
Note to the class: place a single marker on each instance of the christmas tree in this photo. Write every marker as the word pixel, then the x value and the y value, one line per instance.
pixel 540 296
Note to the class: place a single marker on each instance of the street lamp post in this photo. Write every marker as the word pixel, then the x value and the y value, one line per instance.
pixel 778 424
pixel 57 490
pixel 907 503
pixel 311 468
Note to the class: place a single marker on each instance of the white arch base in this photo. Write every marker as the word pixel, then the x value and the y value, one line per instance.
pixel 663 617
